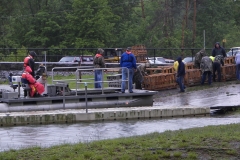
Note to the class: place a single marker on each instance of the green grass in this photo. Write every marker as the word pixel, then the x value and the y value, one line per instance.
pixel 217 142
pixel 71 79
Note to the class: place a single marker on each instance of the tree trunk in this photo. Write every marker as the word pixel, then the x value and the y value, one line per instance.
pixel 184 23
pixel 194 24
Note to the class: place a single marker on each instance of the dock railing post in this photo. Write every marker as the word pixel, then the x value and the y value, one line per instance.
pixel 86 97
pixel 64 96
pixel 128 81
pixel 102 81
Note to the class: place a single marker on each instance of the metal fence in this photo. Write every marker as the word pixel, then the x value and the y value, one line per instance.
pixel 54 55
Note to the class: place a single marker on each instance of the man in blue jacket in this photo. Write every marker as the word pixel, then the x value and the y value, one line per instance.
pixel 128 60
pixel 181 74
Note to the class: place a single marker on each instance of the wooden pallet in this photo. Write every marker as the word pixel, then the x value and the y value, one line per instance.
pixel 228 72
pixel 139 52
pixel 189 66
pixel 192 77
pixel 160 69
pixel 160 81
pixel 229 60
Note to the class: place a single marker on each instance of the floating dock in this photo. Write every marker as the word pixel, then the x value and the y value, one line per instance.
pixel 78 105
pixel 80 115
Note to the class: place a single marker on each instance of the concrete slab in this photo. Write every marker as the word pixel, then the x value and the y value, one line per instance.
pixel 79 115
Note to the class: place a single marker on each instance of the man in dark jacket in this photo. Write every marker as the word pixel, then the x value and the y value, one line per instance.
pixel 219 53
pixel 181 74
pixel 128 61
pixel 98 62
pixel 218 50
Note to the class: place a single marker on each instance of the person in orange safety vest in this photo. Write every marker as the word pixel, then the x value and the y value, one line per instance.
pixel 29 61
pixel 36 88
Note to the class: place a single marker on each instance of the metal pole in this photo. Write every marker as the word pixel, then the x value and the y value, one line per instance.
pixel 45 59
pixel 203 39
pixel 76 81
pixel 102 82
pixel 192 53
pixel 64 96
pixel 154 52
pixel 128 81
pixel 86 97
pixel 18 89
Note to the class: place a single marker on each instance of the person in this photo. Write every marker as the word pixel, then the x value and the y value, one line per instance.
pixel 198 58
pixel 128 61
pixel 219 54
pixel 212 58
pixel 98 62
pixel 36 88
pixel 181 74
pixel 218 60
pixel 138 76
pixel 29 61
pixel 40 71
pixel 237 60
pixel 175 66
pixel 218 50
pixel 206 68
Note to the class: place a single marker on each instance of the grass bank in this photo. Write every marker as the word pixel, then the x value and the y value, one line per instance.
pixel 212 142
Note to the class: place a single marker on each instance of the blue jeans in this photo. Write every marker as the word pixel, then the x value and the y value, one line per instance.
pixel 237 71
pixel 98 77
pixel 209 77
pixel 124 77
pixel 180 83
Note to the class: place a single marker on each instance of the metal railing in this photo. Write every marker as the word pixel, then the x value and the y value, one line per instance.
pixel 54 55
pixel 85 81
pixel 79 81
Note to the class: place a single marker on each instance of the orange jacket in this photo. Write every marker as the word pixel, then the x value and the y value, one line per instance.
pixel 33 84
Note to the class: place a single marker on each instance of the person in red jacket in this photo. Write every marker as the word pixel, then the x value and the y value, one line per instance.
pixel 36 88
pixel 29 61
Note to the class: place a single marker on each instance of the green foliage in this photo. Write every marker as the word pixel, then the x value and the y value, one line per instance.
pixel 114 23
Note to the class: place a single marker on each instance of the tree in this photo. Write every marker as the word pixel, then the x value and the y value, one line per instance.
pixel 89 25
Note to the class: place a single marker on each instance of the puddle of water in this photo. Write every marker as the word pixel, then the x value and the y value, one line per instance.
pixel 48 135
pixel 224 96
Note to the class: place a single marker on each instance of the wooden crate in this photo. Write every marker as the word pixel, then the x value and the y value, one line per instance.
pixel 160 81
pixel 160 69
pixel 229 60
pixel 139 52
pixel 192 77
pixel 228 72
pixel 189 66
